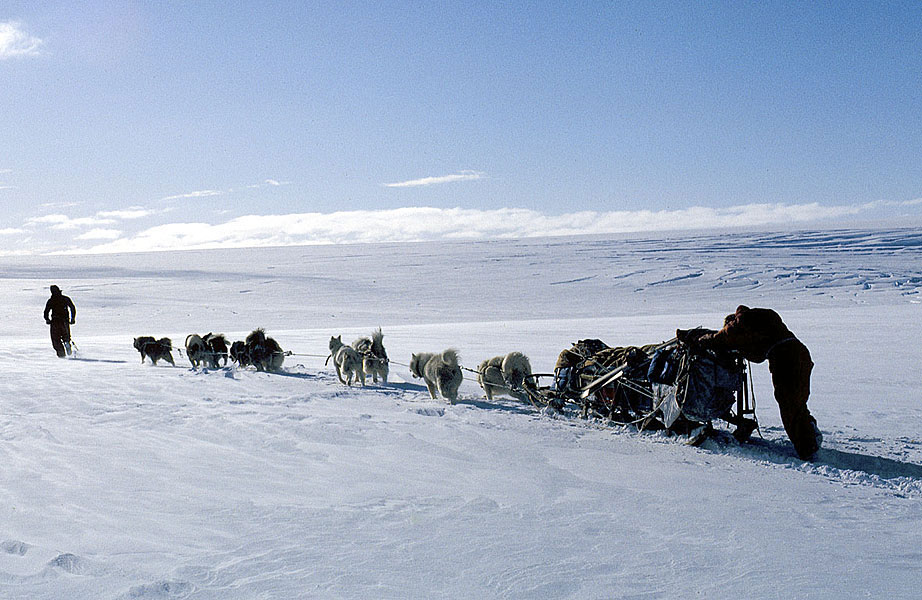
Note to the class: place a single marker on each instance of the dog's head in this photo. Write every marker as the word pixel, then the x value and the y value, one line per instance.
pixel 415 366
pixel 140 342
pixel 336 343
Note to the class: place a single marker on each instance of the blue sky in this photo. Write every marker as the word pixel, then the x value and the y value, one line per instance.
pixel 153 125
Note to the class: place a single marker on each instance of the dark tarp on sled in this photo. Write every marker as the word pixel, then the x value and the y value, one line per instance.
pixel 665 382
pixel 706 384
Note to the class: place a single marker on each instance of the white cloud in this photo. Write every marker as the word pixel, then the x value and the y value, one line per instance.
pixel 100 234
pixel 15 42
pixel 61 222
pixel 269 182
pixel 11 231
pixel 60 204
pixel 64 222
pixel 5 171
pixel 7 187
pixel 198 194
pixel 462 176
pixel 422 223
pixel 133 212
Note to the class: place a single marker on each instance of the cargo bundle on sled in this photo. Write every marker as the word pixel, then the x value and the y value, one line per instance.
pixel 676 385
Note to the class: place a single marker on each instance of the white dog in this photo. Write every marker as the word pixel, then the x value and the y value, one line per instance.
pixel 510 375
pixel 440 371
pixel 374 358
pixel 346 360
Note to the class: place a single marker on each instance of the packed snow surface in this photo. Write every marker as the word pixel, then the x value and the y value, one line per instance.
pixel 127 480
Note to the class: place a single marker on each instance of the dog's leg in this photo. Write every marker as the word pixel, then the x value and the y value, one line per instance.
pixel 370 367
pixel 432 390
pixel 339 373
pixel 445 394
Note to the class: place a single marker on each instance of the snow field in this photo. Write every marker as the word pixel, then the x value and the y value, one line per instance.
pixel 122 480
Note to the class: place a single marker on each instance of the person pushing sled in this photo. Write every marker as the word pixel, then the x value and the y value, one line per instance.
pixel 759 334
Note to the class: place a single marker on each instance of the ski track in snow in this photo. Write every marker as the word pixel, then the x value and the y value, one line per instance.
pixel 123 480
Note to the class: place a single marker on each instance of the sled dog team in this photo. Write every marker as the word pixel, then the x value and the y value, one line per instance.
pixel 211 350
pixel 510 374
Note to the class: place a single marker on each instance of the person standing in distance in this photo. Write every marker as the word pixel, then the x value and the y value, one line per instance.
pixel 60 313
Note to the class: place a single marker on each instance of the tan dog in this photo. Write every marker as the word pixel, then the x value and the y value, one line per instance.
pixel 374 358
pixel 440 371
pixel 346 360
pixel 509 374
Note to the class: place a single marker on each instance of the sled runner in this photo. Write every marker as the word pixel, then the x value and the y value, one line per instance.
pixel 676 386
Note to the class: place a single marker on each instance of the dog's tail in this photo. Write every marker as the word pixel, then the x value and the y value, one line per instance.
pixel 377 343
pixel 258 336
pixel 450 357
pixel 363 345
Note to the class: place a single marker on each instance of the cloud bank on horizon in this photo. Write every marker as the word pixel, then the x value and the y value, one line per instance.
pixel 97 234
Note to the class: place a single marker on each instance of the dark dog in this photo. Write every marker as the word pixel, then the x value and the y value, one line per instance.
pixel 264 352
pixel 154 349
pixel 238 353
pixel 216 349
pixel 195 349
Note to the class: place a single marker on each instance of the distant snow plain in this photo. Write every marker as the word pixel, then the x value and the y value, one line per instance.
pixel 123 480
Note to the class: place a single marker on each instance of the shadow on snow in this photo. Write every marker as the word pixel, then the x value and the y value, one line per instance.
pixel 99 360
pixel 781 452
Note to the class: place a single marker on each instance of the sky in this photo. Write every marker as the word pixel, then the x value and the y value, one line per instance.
pixel 131 126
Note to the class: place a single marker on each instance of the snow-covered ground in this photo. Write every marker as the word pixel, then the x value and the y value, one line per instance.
pixel 122 480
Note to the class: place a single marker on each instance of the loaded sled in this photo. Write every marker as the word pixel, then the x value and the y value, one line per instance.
pixel 675 386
